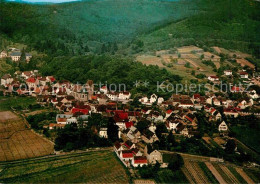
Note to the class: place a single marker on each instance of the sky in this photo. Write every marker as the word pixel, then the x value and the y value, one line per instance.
pixel 44 1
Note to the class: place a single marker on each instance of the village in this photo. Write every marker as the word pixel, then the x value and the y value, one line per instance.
pixel 76 102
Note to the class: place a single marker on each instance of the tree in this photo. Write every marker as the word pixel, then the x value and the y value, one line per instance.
pixel 187 65
pixel 230 146
pixel 23 55
pixel 160 128
pixel 171 139
pixel 142 125
pixel 176 162
pixel 112 130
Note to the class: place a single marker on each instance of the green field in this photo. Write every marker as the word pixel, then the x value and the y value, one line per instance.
pixel 248 136
pixel 16 101
pixel 92 167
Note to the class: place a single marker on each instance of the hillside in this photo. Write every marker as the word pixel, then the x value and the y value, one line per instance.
pixel 232 24
pixel 72 26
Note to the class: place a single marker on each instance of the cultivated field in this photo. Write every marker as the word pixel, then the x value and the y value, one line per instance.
pixel 175 63
pixel 17 141
pixel 214 172
pixel 90 167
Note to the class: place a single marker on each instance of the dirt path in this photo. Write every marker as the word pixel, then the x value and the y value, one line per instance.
pixel 215 173
pixel 245 176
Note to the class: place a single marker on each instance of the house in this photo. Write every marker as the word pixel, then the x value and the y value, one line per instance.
pixel 126 155
pixel 50 79
pixel 3 54
pixel 149 137
pixel 133 134
pixel 244 103
pixel 228 72
pixel 191 118
pixel 153 98
pixel 124 96
pixel 26 74
pixel 160 100
pixel 236 89
pixel 79 93
pixel 213 78
pixel 16 56
pixel 139 161
pixel 103 133
pixel 231 112
pixel 62 121
pixel 187 103
pixel 243 75
pixel 118 147
pixel 222 127
pixel 154 156
pixel 32 83
pixel 112 95
pixel 104 89
pixel 215 114
pixel 56 126
pixel 216 101
pixel 144 100
pixel 129 145
pixel 6 79
pixel 253 94
pixel 42 81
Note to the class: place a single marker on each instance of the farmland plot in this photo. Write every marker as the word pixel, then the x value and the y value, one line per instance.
pixel 194 173
pixel 17 141
pixel 90 167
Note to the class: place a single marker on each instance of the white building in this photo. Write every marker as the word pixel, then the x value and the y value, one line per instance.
pixel 228 72
pixel 222 127
pixel 213 78
pixel 6 79
pixel 103 132
pixel 3 54
pixel 16 56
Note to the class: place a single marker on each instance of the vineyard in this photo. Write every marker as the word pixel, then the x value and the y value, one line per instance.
pixel 89 167
pixel 214 172
pixel 17 141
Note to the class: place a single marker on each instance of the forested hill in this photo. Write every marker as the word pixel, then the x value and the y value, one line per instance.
pixel 232 24
pixel 74 27
pixel 136 25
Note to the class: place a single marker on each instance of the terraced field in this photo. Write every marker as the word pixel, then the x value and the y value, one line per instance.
pixel 90 167
pixel 17 141
pixel 214 172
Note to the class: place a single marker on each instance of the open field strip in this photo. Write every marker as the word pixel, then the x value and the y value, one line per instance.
pixel 229 174
pixel 223 173
pixel 188 175
pixel 207 172
pixel 215 173
pixel 244 176
pixel 236 174
pixel 199 172
pixel 196 173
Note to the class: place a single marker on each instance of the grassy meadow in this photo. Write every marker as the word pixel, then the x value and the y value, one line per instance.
pixel 16 101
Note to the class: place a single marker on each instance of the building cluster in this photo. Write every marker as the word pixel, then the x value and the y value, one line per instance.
pixel 76 102
pixel 15 55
